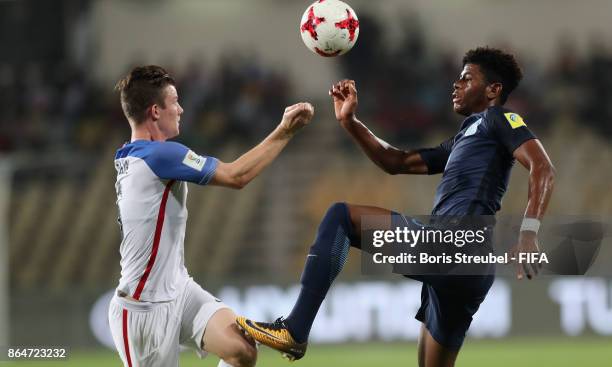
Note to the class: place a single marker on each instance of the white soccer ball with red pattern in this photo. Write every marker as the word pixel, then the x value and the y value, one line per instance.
pixel 329 28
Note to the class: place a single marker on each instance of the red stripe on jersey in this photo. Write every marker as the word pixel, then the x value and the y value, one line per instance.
pixel 156 239
pixel 126 344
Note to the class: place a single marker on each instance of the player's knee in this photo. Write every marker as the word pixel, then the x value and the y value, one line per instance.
pixel 337 210
pixel 338 215
pixel 242 355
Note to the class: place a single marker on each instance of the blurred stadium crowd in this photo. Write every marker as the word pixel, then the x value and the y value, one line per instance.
pixel 408 88
pixel 49 105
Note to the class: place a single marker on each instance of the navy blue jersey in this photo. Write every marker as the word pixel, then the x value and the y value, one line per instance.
pixel 476 162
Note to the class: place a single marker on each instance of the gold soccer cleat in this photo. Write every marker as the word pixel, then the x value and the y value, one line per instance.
pixel 275 335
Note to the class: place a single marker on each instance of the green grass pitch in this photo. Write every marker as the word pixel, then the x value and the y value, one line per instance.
pixel 566 352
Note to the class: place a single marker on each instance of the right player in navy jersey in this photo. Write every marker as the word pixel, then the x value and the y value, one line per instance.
pixel 476 165
pixel 158 306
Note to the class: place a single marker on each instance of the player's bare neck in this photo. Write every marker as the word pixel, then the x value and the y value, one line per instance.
pixel 144 131
pixel 494 103
pixel 480 109
pixel 139 137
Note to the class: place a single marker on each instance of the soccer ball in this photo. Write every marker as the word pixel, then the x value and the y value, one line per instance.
pixel 329 28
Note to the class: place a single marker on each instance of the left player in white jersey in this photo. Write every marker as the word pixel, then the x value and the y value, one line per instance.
pixel 158 306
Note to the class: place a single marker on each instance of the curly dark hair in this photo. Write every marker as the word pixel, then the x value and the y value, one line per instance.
pixel 498 67
pixel 142 88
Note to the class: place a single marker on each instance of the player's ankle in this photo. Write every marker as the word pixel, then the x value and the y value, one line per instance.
pixel 299 338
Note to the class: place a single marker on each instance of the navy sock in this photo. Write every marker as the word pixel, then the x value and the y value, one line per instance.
pixel 324 262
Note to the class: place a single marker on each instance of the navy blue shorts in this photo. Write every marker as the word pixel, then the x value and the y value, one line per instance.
pixel 448 302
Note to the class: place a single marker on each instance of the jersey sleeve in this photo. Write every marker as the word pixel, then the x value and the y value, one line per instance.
pixel 510 129
pixel 436 158
pixel 174 161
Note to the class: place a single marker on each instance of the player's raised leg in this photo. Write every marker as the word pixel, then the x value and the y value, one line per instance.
pixel 338 231
pixel 223 338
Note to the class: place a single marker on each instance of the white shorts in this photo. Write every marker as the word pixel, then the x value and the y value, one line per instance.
pixel 152 332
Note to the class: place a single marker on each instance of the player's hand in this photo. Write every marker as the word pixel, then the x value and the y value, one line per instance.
pixel 527 243
pixel 296 117
pixel 344 95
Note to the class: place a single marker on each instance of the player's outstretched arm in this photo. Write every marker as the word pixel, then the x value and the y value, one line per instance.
pixel 531 155
pixel 384 155
pixel 240 172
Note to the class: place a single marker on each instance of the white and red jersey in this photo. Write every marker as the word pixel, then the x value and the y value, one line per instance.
pixel 151 189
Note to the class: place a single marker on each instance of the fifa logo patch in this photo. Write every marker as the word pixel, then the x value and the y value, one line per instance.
pixel 515 120
pixel 194 161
